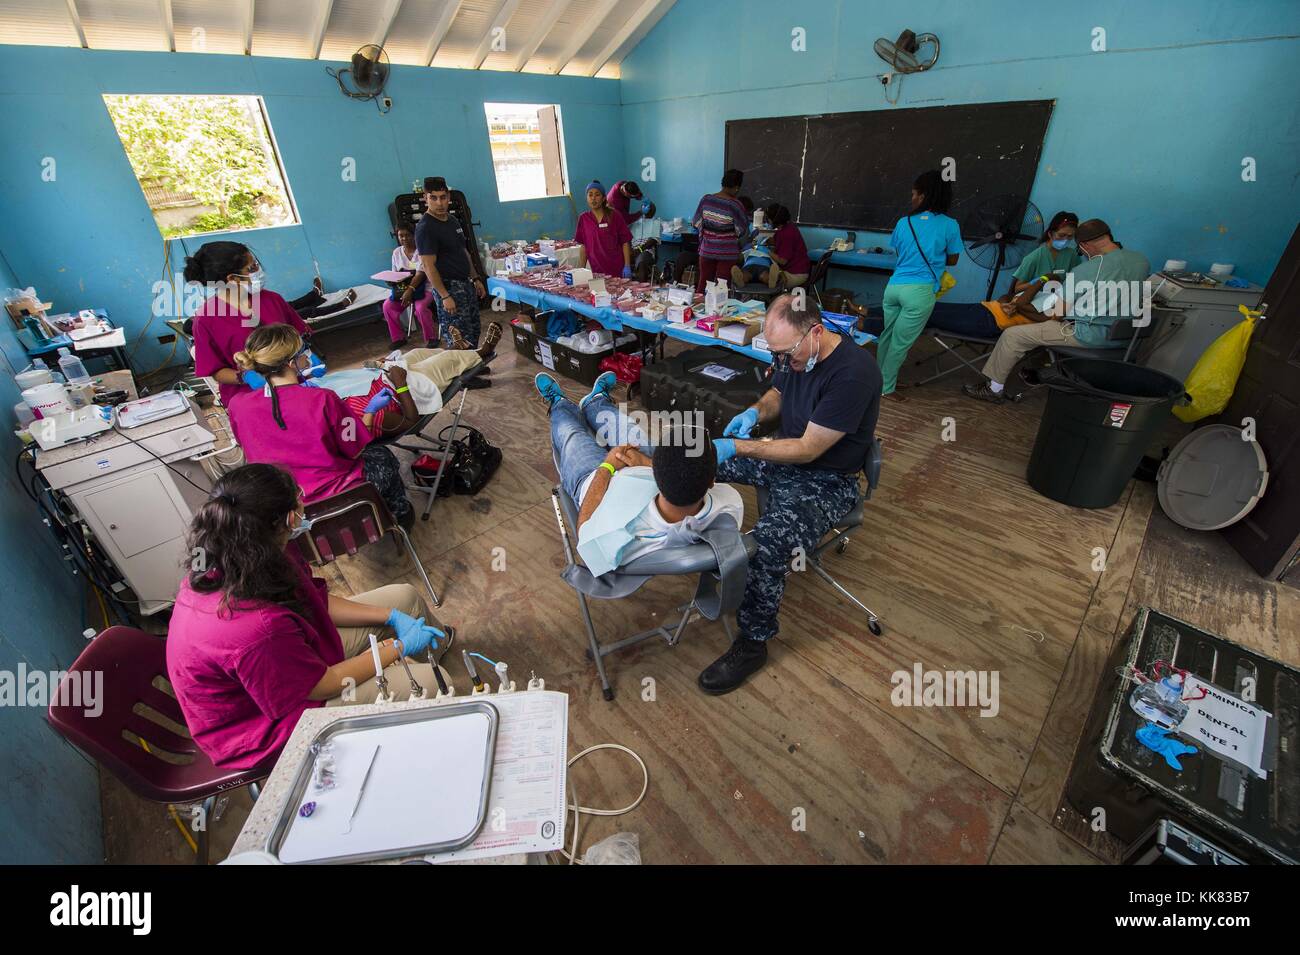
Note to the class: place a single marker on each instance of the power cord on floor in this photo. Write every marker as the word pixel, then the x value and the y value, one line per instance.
pixel 580 811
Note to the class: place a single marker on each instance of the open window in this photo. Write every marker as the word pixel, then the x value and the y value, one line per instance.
pixel 205 163
pixel 527 142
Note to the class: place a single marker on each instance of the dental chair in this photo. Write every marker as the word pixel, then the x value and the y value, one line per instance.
pixel 716 597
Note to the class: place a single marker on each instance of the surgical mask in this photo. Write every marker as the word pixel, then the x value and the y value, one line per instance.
pixel 303 526
pixel 1059 244
pixel 256 280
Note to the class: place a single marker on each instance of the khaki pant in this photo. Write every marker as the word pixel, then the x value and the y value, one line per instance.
pixel 356 640
pixel 778 276
pixel 1019 340
pixel 441 365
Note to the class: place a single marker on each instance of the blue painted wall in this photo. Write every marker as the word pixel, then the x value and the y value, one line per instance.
pixel 49 793
pixel 1149 135
pixel 88 238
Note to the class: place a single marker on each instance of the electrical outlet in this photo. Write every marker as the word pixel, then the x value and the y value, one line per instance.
pixel 166 339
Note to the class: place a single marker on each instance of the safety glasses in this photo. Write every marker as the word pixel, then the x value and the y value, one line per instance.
pixel 781 359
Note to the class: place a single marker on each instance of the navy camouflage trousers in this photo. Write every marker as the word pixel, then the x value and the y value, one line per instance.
pixel 802 506
pixel 466 315
pixel 381 468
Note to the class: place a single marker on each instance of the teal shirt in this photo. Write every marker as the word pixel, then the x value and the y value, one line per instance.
pixel 921 260
pixel 1093 313
pixel 1045 259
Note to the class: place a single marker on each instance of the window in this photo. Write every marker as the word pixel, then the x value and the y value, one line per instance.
pixel 205 163
pixel 527 143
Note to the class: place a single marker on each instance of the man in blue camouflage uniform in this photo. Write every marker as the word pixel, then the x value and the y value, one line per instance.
pixel 825 396
pixel 447 265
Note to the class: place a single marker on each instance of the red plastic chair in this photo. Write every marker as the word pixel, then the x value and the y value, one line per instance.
pixel 350 520
pixel 133 663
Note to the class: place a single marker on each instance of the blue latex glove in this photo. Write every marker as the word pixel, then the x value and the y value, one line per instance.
pixel 252 379
pixel 725 447
pixel 646 206
pixel 415 635
pixel 741 425
pixel 382 400
pixel 1157 740
pixel 315 367
pixel 627 271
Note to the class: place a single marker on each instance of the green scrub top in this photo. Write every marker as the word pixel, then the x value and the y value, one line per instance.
pixel 1091 322
pixel 1044 259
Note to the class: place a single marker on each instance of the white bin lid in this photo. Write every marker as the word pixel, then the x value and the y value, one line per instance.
pixel 1213 478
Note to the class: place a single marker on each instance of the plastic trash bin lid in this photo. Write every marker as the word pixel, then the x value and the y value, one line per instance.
pixel 1212 478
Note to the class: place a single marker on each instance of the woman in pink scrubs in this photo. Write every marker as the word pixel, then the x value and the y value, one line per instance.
pixel 604 236
pixel 255 639
pixel 309 431
pixel 238 304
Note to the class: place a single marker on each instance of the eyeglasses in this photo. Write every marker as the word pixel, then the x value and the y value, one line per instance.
pixel 781 359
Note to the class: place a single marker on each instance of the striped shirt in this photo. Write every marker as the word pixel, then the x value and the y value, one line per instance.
pixel 722 223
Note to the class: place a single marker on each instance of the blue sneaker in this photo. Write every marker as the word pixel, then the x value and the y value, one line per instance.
pixel 604 385
pixel 548 388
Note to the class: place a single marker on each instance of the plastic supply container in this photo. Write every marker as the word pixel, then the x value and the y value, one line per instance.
pixel 72 367
pixel 47 400
pixel 1101 415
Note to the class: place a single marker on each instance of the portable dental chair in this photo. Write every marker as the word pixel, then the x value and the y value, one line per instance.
pixel 721 563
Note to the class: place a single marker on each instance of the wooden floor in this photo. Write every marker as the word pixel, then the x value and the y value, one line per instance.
pixel 968 568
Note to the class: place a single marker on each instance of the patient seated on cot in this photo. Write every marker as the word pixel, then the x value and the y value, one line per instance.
pixel 976 319
pixel 387 406
pixel 632 498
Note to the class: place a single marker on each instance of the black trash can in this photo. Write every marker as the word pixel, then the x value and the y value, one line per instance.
pixel 1101 415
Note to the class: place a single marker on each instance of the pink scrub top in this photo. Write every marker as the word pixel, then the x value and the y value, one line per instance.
pixel 243 675
pixel 220 331
pixel 603 241
pixel 319 444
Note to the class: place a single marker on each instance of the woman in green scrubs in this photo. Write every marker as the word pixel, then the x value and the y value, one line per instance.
pixel 1056 252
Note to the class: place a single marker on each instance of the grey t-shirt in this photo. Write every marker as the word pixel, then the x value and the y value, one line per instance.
pixel 1095 303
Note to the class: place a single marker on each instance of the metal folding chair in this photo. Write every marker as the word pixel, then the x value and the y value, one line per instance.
pixel 695 559
pixel 838 536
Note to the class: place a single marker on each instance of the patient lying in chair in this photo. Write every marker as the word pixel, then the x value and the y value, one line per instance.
pixel 632 498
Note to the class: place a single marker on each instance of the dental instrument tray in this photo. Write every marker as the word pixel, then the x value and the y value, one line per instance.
pixel 407 780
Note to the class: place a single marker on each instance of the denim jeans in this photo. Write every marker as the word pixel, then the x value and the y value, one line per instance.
pixel 576 436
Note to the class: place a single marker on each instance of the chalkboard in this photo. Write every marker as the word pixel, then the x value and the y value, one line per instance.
pixel 855 170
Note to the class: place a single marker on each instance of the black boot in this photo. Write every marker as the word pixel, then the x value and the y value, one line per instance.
pixel 745 658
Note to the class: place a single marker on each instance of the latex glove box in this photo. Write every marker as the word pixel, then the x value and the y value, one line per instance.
pixel 137 507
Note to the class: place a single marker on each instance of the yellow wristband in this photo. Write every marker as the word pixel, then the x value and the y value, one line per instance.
pixel 610 467
pixel 404 389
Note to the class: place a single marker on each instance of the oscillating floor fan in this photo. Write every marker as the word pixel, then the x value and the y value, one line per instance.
pixel 1000 232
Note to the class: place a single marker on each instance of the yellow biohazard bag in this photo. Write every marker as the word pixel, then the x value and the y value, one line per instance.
pixel 946 284
pixel 1214 376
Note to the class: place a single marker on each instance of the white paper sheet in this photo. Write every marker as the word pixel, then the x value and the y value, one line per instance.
pixel 526 805
pixel 1225 724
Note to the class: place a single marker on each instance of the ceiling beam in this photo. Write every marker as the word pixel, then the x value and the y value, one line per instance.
pixel 75 17
pixel 647 9
pixel 318 37
pixel 581 37
pixel 504 12
pixel 449 10
pixel 552 17
pixel 385 25
pixel 248 27
pixel 169 28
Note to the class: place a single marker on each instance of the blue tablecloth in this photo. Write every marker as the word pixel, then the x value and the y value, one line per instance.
pixel 616 320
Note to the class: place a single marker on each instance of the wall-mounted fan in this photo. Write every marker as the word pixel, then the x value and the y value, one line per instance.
pixel 367 77
pixel 901 54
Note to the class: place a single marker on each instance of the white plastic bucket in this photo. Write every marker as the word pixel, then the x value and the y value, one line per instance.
pixel 47 400
pixel 33 377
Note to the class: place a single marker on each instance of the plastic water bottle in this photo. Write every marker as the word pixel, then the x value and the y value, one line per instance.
pixel 72 367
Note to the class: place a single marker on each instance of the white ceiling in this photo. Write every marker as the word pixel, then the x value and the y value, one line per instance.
pixel 573 37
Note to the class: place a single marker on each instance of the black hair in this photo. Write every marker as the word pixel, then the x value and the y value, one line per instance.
pixel 936 192
pixel 216 260
pixel 748 204
pixel 779 214
pixel 732 178
pixel 683 470
pixel 1058 220
pixel 236 539
pixel 631 189
pixel 435 184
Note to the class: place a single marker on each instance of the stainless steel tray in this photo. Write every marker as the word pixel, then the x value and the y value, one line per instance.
pixel 394 717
